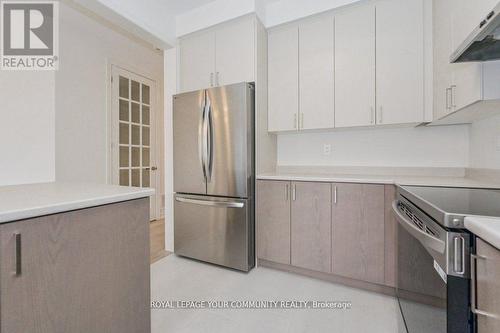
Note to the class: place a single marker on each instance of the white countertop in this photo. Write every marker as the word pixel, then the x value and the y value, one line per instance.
pixel 25 201
pixel 382 179
pixel 486 228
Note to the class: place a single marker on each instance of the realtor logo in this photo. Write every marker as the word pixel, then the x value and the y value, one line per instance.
pixel 29 36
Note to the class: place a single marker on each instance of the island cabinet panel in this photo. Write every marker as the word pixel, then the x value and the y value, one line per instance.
pixel 311 226
pixel 273 221
pixel 358 232
pixel 80 271
pixel 488 287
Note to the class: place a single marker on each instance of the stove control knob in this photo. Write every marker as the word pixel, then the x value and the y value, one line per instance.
pixel 456 222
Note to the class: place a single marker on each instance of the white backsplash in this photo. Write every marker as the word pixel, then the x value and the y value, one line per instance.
pixel 443 146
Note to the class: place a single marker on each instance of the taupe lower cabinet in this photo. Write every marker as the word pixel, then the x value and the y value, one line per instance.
pixel 273 218
pixel 339 228
pixel 84 271
pixel 358 232
pixel 487 287
pixel 311 226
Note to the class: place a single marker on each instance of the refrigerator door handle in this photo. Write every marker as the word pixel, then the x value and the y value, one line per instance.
pixel 210 142
pixel 222 204
pixel 201 138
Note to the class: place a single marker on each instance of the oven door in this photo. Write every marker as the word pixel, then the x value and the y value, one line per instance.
pixel 431 299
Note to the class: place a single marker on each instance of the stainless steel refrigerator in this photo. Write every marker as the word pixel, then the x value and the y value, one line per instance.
pixel 214 175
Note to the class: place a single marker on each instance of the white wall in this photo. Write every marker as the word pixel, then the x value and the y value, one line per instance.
pixel 170 90
pixel 445 146
pixel 86 47
pixel 485 144
pixel 26 127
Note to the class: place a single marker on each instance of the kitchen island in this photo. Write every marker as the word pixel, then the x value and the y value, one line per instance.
pixel 74 258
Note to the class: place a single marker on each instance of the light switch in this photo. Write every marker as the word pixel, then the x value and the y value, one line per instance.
pixel 327 149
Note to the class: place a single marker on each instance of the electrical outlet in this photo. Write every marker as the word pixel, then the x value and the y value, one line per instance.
pixel 327 149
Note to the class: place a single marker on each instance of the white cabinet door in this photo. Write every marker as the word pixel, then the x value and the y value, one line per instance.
pixel 283 79
pixel 235 52
pixel 442 50
pixel 316 73
pixel 400 61
pixel 355 67
pixel 197 61
pixel 466 85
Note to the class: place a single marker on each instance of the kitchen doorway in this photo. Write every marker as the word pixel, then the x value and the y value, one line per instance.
pixel 133 137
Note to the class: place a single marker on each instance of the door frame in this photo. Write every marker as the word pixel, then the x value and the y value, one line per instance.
pixel 112 146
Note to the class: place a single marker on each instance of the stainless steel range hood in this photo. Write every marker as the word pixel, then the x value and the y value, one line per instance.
pixel 483 44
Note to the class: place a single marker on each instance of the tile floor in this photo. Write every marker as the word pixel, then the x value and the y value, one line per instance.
pixel 176 278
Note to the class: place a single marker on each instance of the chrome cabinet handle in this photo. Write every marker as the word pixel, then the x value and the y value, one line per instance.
pixel 287 190
pixel 452 93
pixel 18 254
pixel 335 194
pixel 448 90
pixel 221 204
pixel 294 192
pixel 473 288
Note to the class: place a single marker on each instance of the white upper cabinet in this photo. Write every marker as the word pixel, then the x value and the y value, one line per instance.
pixel 316 74
pixel 400 61
pixel 355 67
pixel 283 79
pixel 442 50
pixel 461 86
pixel 197 61
pixel 235 53
pixel 218 56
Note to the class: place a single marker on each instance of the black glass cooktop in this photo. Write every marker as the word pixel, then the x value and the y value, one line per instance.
pixel 459 201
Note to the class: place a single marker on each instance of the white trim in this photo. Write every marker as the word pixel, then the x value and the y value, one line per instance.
pixel 156 90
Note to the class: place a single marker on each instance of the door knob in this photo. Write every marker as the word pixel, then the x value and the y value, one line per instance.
pixel 154 168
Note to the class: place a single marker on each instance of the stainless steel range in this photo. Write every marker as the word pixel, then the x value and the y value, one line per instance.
pixel 434 255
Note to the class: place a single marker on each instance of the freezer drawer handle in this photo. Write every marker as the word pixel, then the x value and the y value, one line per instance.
pixel 222 204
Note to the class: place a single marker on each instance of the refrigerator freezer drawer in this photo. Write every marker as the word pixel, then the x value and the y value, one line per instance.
pixel 215 230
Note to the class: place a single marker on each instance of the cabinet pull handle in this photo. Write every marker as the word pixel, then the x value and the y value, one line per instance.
pixel 18 253
pixel 372 115
pixel 211 79
pixel 452 89
pixel 294 192
pixel 301 124
pixel 335 195
pixel 473 288
pixel 287 190
pixel 448 107
pixel 217 79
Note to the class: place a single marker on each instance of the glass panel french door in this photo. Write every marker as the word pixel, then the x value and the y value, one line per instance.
pixel 133 131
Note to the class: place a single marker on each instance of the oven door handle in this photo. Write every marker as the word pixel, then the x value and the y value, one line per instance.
pixel 427 240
